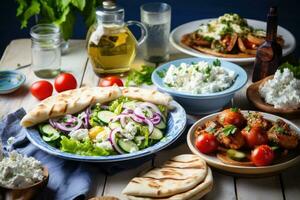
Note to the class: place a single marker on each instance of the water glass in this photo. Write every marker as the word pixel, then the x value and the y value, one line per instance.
pixel 46 52
pixel 157 19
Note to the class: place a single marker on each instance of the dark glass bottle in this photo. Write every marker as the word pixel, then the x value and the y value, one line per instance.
pixel 269 54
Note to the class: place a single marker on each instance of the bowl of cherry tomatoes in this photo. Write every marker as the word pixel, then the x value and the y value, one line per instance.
pixel 246 142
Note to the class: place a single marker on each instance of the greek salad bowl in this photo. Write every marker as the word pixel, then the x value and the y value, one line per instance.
pixel 200 85
pixel 121 124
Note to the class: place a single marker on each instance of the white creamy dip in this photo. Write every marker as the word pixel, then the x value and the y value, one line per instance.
pixel 283 91
pixel 199 78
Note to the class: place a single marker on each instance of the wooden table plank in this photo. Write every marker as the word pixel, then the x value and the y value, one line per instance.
pixel 259 189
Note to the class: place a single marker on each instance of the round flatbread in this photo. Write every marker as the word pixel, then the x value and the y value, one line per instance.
pixel 193 194
pixel 178 175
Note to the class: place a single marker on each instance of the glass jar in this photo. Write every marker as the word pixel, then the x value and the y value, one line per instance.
pixel 110 44
pixel 46 52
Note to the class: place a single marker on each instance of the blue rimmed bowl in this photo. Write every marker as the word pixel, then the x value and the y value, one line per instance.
pixel 200 104
pixel 175 127
pixel 10 81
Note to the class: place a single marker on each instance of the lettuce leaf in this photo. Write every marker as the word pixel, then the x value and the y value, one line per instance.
pixel 85 148
pixel 115 105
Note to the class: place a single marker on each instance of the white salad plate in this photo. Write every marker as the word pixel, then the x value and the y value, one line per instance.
pixel 177 33
pixel 242 170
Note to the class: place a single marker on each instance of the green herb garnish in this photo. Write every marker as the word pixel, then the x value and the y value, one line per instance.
pixel 161 73
pixel 279 129
pixel 293 68
pixel 217 63
pixel 229 130
pixel 247 128
pixel 234 109
pixel 137 78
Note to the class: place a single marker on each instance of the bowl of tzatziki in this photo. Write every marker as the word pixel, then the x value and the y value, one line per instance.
pixel 201 86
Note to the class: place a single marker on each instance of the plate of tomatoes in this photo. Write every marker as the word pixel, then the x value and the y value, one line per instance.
pixel 245 142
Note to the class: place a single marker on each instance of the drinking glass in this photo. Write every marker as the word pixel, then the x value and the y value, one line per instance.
pixel 45 50
pixel 157 19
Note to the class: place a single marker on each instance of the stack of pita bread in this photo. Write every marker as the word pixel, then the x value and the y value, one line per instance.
pixel 183 177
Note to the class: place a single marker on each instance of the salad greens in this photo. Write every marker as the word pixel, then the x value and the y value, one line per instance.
pixel 121 126
pixel 137 78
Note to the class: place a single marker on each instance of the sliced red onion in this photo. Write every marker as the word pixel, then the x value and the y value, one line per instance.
pixel 139 112
pixel 113 141
pixel 154 108
pixel 136 118
pixel 156 119
pixel 123 120
pixel 127 111
pixel 104 107
pixel 150 125
pixel 52 122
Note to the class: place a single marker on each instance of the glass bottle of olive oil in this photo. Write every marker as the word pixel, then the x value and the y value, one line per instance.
pixel 111 46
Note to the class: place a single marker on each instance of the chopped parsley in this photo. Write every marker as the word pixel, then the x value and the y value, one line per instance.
pixel 217 63
pixel 234 109
pixel 162 73
pixel 137 78
pixel 229 130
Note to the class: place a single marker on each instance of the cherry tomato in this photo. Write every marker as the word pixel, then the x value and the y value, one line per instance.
pixel 110 81
pixel 255 136
pixel 41 89
pixel 206 143
pixel 231 116
pixel 65 81
pixel 262 155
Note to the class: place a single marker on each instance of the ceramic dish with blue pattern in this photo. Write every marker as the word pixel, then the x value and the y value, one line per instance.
pixel 120 129
pixel 10 81
pixel 201 98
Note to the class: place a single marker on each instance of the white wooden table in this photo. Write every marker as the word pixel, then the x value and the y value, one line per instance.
pixel 285 186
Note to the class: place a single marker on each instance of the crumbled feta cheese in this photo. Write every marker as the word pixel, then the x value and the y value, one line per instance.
pixel 199 78
pixel 283 91
pixel 80 134
pixel 20 171
pixel 105 145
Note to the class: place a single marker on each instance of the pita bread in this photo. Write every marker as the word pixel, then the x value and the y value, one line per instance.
pixel 73 101
pixel 194 194
pixel 148 95
pixel 69 102
pixel 180 174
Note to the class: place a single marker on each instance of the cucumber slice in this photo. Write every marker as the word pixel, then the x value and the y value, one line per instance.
pixel 105 116
pixel 49 133
pixel 161 125
pixel 127 145
pixel 113 125
pixel 235 155
pixel 47 129
pixel 130 105
pixel 156 134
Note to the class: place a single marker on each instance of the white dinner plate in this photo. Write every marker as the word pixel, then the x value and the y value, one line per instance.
pixel 177 33
pixel 243 170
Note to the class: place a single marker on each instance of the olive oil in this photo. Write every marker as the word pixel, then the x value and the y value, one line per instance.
pixel 114 52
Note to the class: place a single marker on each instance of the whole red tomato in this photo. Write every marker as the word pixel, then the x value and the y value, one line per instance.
pixel 255 136
pixel 110 81
pixel 262 155
pixel 232 116
pixel 41 89
pixel 65 81
pixel 206 143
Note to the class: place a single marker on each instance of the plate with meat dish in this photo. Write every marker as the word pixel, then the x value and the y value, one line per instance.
pixel 245 142
pixel 229 37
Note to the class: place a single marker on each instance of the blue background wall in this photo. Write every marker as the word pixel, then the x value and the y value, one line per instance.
pixel 182 11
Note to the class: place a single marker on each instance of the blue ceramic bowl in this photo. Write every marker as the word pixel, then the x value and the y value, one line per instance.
pixel 175 127
pixel 10 81
pixel 199 104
